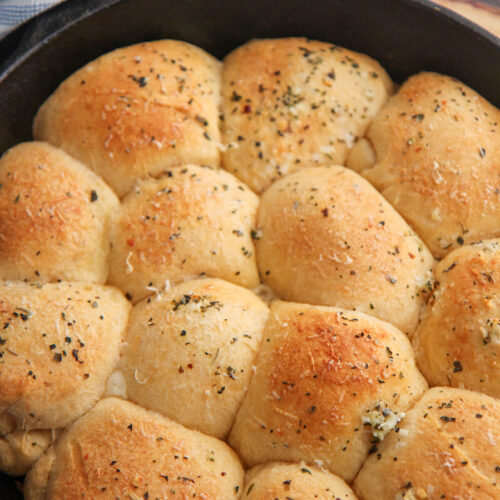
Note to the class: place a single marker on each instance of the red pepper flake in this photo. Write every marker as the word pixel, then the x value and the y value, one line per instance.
pixel 247 108
pixel 130 242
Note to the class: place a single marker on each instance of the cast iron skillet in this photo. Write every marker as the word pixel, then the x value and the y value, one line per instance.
pixel 406 36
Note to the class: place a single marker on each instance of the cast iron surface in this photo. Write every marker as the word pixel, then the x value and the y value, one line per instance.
pixel 406 36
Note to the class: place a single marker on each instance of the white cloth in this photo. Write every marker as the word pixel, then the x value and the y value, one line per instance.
pixel 15 12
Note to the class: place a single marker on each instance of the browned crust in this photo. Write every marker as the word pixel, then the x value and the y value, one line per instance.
pixel 319 370
pixel 438 150
pixel 291 103
pixel 137 111
pixel 447 448
pixel 149 455
pixel 193 221
pixel 59 343
pixel 54 217
pixel 458 341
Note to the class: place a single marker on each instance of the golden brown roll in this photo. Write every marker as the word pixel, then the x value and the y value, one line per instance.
pixel 328 383
pixel 435 156
pixel 458 341
pixel 58 345
pixel 148 456
pixel 193 221
pixel 447 447
pixel 190 352
pixel 280 481
pixel 292 102
pixel 327 237
pixel 54 217
pixel 136 111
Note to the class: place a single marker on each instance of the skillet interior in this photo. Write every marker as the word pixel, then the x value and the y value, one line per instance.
pixel 406 36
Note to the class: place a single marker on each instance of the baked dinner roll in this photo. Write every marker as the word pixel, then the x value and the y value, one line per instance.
pixel 190 352
pixel 458 341
pixel 447 447
pixel 436 157
pixel 58 345
pixel 148 456
pixel 328 383
pixel 292 102
pixel 136 111
pixel 54 217
pixel 327 237
pixel 279 481
pixel 193 221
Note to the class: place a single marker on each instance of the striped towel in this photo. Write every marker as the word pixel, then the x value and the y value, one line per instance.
pixel 15 12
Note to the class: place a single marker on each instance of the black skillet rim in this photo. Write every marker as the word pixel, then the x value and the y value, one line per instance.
pixel 23 41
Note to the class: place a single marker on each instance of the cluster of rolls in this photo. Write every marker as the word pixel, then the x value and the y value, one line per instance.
pixel 239 280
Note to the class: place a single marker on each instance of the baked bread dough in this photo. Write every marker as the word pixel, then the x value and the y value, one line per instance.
pixel 193 221
pixel 58 345
pixel 137 111
pixel 190 351
pixel 447 447
pixel 302 390
pixel 20 449
pixel 54 217
pixel 280 481
pixel 458 341
pixel 148 456
pixel 293 102
pixel 436 159
pixel 328 237
pixel 327 383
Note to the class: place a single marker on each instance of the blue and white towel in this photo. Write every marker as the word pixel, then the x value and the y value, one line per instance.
pixel 16 12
